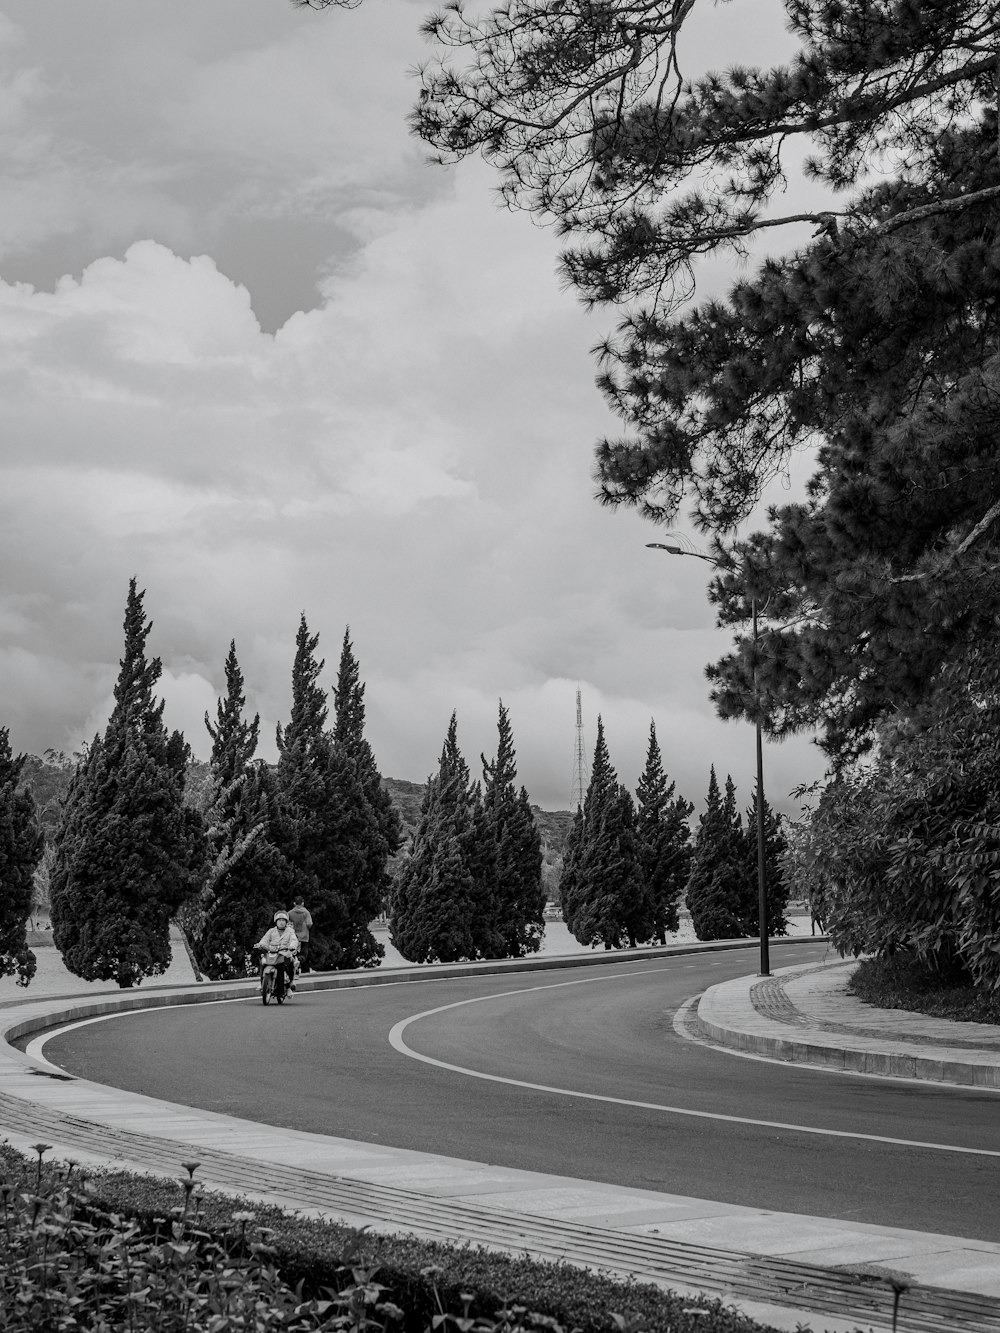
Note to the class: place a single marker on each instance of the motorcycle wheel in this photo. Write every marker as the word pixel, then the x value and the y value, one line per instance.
pixel 280 992
pixel 266 984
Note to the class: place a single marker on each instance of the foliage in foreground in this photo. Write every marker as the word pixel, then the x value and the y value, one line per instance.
pixel 903 855
pixel 122 1252
pixel 903 982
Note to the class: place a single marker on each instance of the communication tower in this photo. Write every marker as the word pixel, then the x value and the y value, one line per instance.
pixel 581 766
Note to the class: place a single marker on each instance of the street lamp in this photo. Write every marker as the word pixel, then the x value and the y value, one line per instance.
pixel 765 962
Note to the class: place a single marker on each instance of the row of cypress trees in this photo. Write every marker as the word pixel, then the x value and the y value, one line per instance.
pixel 131 853
pixel 629 863
pixel 471 883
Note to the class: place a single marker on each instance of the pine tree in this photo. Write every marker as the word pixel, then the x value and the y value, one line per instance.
pixel 871 348
pixel 520 897
pixel 329 827
pixel 128 851
pixel 664 841
pixel 775 848
pixel 716 888
pixel 247 877
pixel 591 118
pixel 21 844
pixel 438 910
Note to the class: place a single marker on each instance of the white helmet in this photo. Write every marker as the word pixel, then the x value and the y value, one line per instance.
pixel 280 916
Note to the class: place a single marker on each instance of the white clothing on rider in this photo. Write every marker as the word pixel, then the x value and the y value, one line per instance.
pixel 280 941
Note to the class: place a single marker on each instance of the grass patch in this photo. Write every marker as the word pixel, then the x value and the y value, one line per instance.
pixel 903 982
pixel 118 1253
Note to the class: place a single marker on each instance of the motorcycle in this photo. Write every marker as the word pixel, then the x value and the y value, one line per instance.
pixel 272 976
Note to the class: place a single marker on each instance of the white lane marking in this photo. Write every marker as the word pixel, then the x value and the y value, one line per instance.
pixel 35 1047
pixel 398 1043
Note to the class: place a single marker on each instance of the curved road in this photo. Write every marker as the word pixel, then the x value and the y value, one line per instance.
pixel 325 1063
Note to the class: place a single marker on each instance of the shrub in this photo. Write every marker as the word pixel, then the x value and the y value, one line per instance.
pixel 905 982
pixel 122 1252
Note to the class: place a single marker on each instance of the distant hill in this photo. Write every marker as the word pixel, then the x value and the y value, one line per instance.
pixel 554 826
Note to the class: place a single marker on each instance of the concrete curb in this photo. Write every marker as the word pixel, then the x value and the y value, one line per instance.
pixel 727 1015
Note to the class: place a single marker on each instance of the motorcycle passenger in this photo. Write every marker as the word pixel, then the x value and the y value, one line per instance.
pixel 282 940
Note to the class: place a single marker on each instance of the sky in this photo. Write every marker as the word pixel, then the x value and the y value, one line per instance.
pixel 258 352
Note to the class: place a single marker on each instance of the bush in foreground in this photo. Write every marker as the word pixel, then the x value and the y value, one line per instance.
pixel 119 1253
pixel 905 982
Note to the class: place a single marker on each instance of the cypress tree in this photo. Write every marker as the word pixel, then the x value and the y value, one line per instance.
pixel 716 894
pixel 247 877
pixel 664 841
pixel 569 879
pixel 604 902
pixel 328 825
pixel 349 734
pixel 128 850
pixel 234 740
pixel 613 908
pixel 775 847
pixel 510 826
pixel 439 910
pixel 21 844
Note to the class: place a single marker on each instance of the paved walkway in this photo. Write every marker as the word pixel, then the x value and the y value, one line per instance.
pixel 783 1269
pixel 805 1014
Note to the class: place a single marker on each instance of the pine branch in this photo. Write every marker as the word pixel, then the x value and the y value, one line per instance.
pixel 953 205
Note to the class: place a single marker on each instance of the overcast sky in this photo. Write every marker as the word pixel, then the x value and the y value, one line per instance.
pixel 259 353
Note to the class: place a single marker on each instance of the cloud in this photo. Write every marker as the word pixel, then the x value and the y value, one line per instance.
pixel 408 452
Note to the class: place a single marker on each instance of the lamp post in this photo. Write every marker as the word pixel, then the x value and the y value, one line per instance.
pixel 765 961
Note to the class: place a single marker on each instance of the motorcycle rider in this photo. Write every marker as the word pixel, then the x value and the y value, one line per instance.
pixel 282 940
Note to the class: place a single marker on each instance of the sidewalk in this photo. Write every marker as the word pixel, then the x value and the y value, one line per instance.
pixel 785 1270
pixel 804 1014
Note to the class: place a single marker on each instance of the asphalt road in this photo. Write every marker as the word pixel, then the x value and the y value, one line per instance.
pixel 324 1063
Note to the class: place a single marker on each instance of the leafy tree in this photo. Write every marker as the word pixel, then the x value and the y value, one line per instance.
pixel 21 844
pixel 663 837
pixel 331 836
pixel 442 908
pixel 717 887
pixel 903 852
pixel 775 851
pixel 128 850
pixel 510 825
pixel 247 878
